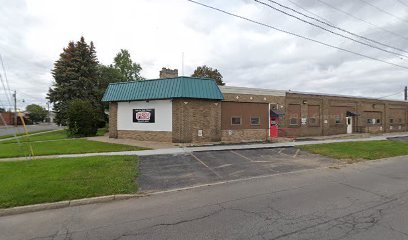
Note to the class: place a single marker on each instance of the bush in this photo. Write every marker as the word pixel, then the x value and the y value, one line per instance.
pixel 82 118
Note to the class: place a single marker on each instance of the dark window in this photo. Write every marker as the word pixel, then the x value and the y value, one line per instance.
pixel 391 121
pixel 236 120
pixel 312 121
pixel 370 121
pixel 255 120
pixel 338 120
pixel 378 121
pixel 293 121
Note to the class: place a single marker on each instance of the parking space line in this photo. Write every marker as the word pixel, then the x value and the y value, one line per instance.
pixel 297 152
pixel 199 160
pixel 247 158
pixel 225 165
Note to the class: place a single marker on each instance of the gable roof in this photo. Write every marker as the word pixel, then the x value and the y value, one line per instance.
pixel 165 88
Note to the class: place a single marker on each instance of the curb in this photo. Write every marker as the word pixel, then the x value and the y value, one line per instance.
pixel 64 204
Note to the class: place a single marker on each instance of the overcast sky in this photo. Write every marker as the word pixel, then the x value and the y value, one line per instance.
pixel 156 32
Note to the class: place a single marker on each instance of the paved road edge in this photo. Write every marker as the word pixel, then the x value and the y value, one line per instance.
pixel 67 203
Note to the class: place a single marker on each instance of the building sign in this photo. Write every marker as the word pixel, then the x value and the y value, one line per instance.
pixel 143 115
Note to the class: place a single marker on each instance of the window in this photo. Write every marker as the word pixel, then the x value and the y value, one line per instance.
pixel 293 121
pixel 338 120
pixel 255 120
pixel 391 120
pixel 312 121
pixel 378 121
pixel 236 121
pixel 370 121
pixel 400 120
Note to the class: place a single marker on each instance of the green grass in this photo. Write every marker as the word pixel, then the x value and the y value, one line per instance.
pixel 55 135
pixel 51 180
pixel 369 150
pixel 102 131
pixel 70 146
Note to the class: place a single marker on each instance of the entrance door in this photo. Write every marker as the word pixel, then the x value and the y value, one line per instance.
pixel 349 121
pixel 274 127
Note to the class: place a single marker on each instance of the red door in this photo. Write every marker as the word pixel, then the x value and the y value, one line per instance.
pixel 274 127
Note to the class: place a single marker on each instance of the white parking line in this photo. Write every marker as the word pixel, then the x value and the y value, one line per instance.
pixel 247 158
pixel 199 160
pixel 225 165
pixel 297 152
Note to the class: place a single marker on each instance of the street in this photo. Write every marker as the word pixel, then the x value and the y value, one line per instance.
pixel 10 130
pixel 368 200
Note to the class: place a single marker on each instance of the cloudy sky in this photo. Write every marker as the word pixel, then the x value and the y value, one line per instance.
pixel 157 32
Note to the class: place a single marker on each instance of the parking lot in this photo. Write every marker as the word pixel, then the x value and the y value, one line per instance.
pixel 163 172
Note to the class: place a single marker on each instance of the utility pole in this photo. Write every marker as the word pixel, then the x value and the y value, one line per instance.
pixel 15 107
pixel 48 106
pixel 406 93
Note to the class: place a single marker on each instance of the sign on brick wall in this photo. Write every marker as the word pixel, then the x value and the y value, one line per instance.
pixel 143 115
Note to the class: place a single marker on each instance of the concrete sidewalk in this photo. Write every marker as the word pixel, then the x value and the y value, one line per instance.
pixel 209 148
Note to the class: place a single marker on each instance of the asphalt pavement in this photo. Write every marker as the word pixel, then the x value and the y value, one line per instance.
pixel 367 200
pixel 31 128
pixel 164 172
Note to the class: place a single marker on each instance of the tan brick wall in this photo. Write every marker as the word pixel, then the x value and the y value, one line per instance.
pixel 157 136
pixel 244 135
pixel 192 115
pixel 232 97
pixel 113 119
pixel 331 106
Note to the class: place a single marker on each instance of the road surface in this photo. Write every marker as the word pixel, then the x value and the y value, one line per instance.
pixel 361 201
pixel 31 128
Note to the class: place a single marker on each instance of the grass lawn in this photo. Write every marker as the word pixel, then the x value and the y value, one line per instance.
pixel 369 150
pixel 62 147
pixel 55 135
pixel 51 180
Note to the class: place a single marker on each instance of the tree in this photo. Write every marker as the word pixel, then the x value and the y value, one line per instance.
pixel 37 113
pixel 82 118
pixel 76 77
pixel 126 66
pixel 208 72
pixel 2 109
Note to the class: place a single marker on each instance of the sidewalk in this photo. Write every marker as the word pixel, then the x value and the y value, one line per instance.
pixel 185 150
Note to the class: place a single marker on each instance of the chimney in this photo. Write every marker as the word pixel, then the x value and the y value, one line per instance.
pixel 168 73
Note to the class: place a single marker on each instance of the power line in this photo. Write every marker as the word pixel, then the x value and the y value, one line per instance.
pixel 296 35
pixel 362 20
pixel 338 28
pixel 5 74
pixel 403 3
pixel 399 92
pixel 311 13
pixel 330 31
pixel 383 11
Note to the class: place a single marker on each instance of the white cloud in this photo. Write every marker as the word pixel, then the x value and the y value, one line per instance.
pixel 34 32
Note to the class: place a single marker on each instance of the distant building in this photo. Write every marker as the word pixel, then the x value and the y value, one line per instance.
pixel 189 110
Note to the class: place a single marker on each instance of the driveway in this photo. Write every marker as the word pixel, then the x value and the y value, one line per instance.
pixel 164 172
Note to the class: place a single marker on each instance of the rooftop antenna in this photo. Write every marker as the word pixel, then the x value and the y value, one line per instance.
pixel 182 63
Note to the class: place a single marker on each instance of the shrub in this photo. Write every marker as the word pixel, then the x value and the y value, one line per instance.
pixel 82 118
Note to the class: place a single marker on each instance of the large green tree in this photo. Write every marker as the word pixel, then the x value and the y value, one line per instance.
pixel 208 72
pixel 75 77
pixel 37 113
pixel 126 66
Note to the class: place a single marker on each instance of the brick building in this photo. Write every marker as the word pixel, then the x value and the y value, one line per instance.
pixel 189 110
